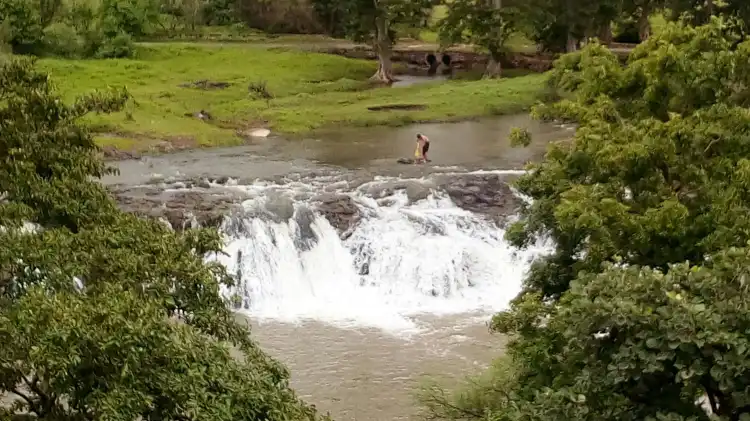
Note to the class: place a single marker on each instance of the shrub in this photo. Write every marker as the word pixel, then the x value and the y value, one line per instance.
pixel 119 46
pixel 20 26
pixel 62 40
pixel 627 32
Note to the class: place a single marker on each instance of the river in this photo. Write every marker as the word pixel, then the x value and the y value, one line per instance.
pixel 406 292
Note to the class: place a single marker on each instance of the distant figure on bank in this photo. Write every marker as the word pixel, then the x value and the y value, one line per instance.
pixel 423 145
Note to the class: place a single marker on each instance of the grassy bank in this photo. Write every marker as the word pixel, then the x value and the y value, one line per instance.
pixel 309 91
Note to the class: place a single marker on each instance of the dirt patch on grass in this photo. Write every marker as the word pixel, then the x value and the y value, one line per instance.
pixel 398 107
pixel 206 84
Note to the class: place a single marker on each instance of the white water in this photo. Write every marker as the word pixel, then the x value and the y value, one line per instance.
pixel 403 259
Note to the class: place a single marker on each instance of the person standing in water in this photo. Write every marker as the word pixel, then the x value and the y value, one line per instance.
pixel 423 145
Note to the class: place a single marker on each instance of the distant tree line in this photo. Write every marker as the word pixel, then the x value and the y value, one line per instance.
pixel 554 25
pixel 108 28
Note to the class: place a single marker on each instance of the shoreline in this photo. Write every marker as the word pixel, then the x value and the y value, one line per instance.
pixel 188 96
pixel 113 154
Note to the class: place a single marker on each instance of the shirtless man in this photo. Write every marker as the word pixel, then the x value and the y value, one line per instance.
pixel 423 145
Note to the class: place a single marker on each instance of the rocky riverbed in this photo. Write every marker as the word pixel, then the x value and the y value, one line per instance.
pixel 201 201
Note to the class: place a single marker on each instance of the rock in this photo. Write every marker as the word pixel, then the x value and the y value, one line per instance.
pixel 179 208
pixel 259 132
pixel 487 194
pixel 340 211
pixel 219 180
pixel 201 115
pixel 163 147
pixel 114 154
pixel 210 206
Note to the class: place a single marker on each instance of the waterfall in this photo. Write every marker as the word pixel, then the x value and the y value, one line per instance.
pixel 403 257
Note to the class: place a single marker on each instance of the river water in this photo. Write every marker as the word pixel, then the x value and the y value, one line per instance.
pixel 406 293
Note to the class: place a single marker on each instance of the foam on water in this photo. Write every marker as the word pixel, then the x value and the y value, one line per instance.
pixel 404 258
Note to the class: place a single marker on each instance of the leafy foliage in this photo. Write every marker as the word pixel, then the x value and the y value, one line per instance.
pixel 476 399
pixel 635 343
pixel 558 25
pixel 19 25
pixel 655 174
pixel 640 313
pixel 219 12
pixel 375 21
pixel 359 16
pixel 132 17
pixel 484 23
pixel 44 173
pixel 104 315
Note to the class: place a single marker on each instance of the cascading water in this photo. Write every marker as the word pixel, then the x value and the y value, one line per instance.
pixel 402 258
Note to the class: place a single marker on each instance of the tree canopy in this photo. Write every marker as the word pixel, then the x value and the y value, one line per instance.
pixel 375 22
pixel 640 312
pixel 655 173
pixel 484 23
pixel 105 316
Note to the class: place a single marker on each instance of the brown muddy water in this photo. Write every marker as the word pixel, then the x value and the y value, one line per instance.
pixel 466 146
pixel 366 374
pixel 360 372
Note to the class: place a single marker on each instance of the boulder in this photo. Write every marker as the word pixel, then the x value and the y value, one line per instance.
pixel 180 208
pixel 487 194
pixel 340 211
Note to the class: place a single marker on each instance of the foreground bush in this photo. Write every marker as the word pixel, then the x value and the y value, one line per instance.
pixel 642 311
pixel 104 316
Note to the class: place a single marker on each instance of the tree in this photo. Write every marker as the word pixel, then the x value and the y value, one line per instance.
pixel 104 315
pixel 373 21
pixel 633 343
pixel 641 310
pixel 651 175
pixel 699 12
pixel 220 12
pixel 20 25
pixel 641 11
pixel 48 11
pixel 132 17
pixel 329 12
pixel 559 25
pixel 655 175
pixel 484 23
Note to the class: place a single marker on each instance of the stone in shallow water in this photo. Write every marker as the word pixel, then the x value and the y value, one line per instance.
pixel 259 132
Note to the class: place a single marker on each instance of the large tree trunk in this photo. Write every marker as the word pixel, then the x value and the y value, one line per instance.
pixel 605 33
pixel 384 48
pixel 709 10
pixel 494 69
pixel 571 43
pixel 644 26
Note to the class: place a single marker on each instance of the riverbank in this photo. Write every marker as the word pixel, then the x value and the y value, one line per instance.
pixel 245 87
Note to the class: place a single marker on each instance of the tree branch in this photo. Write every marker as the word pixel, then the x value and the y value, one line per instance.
pixel 434 401
pixel 715 397
pixel 32 405
pixel 712 400
pixel 45 401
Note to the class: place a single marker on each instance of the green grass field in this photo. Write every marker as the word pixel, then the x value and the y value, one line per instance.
pixel 310 91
